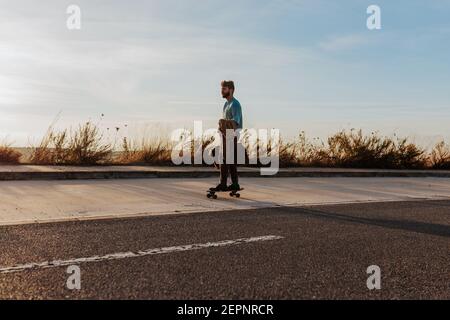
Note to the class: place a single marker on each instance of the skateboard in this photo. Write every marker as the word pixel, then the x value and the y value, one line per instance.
pixel 234 193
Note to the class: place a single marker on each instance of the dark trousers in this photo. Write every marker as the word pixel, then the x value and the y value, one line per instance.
pixel 229 168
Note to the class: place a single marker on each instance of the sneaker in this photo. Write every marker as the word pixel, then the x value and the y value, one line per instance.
pixel 234 187
pixel 220 187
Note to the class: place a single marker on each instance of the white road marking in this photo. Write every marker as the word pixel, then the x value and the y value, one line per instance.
pixel 124 255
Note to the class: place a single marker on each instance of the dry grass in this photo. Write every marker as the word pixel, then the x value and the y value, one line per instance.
pixel 440 156
pixel 82 146
pixel 348 148
pixel 353 149
pixel 9 155
pixel 154 152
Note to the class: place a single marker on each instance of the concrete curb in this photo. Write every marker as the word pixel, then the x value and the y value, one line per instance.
pixel 196 173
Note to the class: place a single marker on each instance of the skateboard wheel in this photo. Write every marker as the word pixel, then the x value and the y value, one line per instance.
pixel 214 196
pixel 238 195
pixel 231 194
pixel 208 195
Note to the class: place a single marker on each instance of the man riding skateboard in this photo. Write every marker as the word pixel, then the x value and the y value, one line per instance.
pixel 231 119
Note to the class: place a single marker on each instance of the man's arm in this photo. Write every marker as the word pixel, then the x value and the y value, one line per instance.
pixel 237 114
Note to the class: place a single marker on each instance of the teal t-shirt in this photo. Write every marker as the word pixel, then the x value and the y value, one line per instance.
pixel 232 111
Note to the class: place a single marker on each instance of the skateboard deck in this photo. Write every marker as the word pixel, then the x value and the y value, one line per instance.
pixel 234 193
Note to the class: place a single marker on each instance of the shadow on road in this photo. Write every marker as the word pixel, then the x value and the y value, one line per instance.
pixel 407 225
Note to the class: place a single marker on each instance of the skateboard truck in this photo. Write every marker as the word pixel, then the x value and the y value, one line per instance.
pixel 233 193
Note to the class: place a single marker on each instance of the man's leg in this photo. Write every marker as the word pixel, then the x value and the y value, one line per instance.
pixel 233 166
pixel 234 174
pixel 223 174
pixel 224 170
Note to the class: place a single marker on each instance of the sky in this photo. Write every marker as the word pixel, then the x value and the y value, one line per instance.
pixel 298 65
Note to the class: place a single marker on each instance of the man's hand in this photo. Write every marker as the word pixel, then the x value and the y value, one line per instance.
pixel 225 124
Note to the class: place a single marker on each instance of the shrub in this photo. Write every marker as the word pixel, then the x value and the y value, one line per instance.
pixel 9 155
pixel 440 156
pixel 82 146
pixel 353 149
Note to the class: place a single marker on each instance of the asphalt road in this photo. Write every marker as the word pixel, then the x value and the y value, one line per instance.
pixel 318 252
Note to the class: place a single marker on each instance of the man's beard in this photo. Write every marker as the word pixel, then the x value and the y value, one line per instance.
pixel 226 95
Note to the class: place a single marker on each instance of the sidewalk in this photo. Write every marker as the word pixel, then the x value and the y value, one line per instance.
pixel 31 172
pixel 51 201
